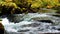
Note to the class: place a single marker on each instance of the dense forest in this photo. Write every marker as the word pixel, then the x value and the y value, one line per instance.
pixel 28 6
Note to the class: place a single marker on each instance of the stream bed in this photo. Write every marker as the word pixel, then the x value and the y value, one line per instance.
pixel 31 23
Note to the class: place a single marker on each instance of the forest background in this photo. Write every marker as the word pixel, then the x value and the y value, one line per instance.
pixel 29 6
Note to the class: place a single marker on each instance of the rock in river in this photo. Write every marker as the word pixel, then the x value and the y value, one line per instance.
pixel 16 18
pixel 1 29
pixel 23 30
pixel 46 21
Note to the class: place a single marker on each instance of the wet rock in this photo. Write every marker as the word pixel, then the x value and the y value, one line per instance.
pixel 52 33
pixel 44 10
pixel 28 25
pixel 39 29
pixel 58 29
pixel 23 30
pixel 3 16
pixel 53 27
pixel 35 25
pixel 1 29
pixel 30 33
pixel 31 25
pixel 5 32
pixel 56 15
pixel 16 18
pixel 46 21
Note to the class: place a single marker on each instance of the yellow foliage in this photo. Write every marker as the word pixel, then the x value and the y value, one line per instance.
pixel 8 0
pixel 49 6
pixel 56 1
pixel 46 0
pixel 23 8
pixel 58 4
pixel 29 1
pixel 9 4
pixel 35 5
pixel 41 3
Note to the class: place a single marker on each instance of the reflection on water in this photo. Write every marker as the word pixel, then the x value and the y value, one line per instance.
pixel 32 23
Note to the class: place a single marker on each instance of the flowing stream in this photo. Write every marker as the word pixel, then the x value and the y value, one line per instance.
pixel 32 23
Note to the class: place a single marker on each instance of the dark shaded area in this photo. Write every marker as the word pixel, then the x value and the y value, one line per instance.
pixel 6 10
pixel 58 29
pixel 57 8
pixel 23 30
pixel 1 29
pixel 28 9
pixel 31 25
pixel 47 21
pixel 16 18
pixel 17 11
pixel 53 27
pixel 56 15
pixel 2 16
pixel 35 24
pixel 52 33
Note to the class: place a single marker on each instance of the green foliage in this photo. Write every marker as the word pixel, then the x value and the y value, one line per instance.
pixel 24 6
pixel 0 0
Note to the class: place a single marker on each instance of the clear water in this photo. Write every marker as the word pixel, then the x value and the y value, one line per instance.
pixel 29 26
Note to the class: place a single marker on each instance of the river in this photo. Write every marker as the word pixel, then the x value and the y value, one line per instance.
pixel 31 23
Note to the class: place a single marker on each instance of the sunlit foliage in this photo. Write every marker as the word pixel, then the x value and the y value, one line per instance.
pixel 29 5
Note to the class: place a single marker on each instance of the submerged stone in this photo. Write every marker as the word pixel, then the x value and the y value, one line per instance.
pixel 23 30
pixel 58 29
pixel 16 18
pixel 56 15
pixel 31 25
pixel 46 21
pixel 54 28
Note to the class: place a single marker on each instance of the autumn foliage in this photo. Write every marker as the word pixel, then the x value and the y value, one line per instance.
pixel 21 6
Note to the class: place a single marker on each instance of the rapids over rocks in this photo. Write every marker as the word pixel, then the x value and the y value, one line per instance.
pixel 31 23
